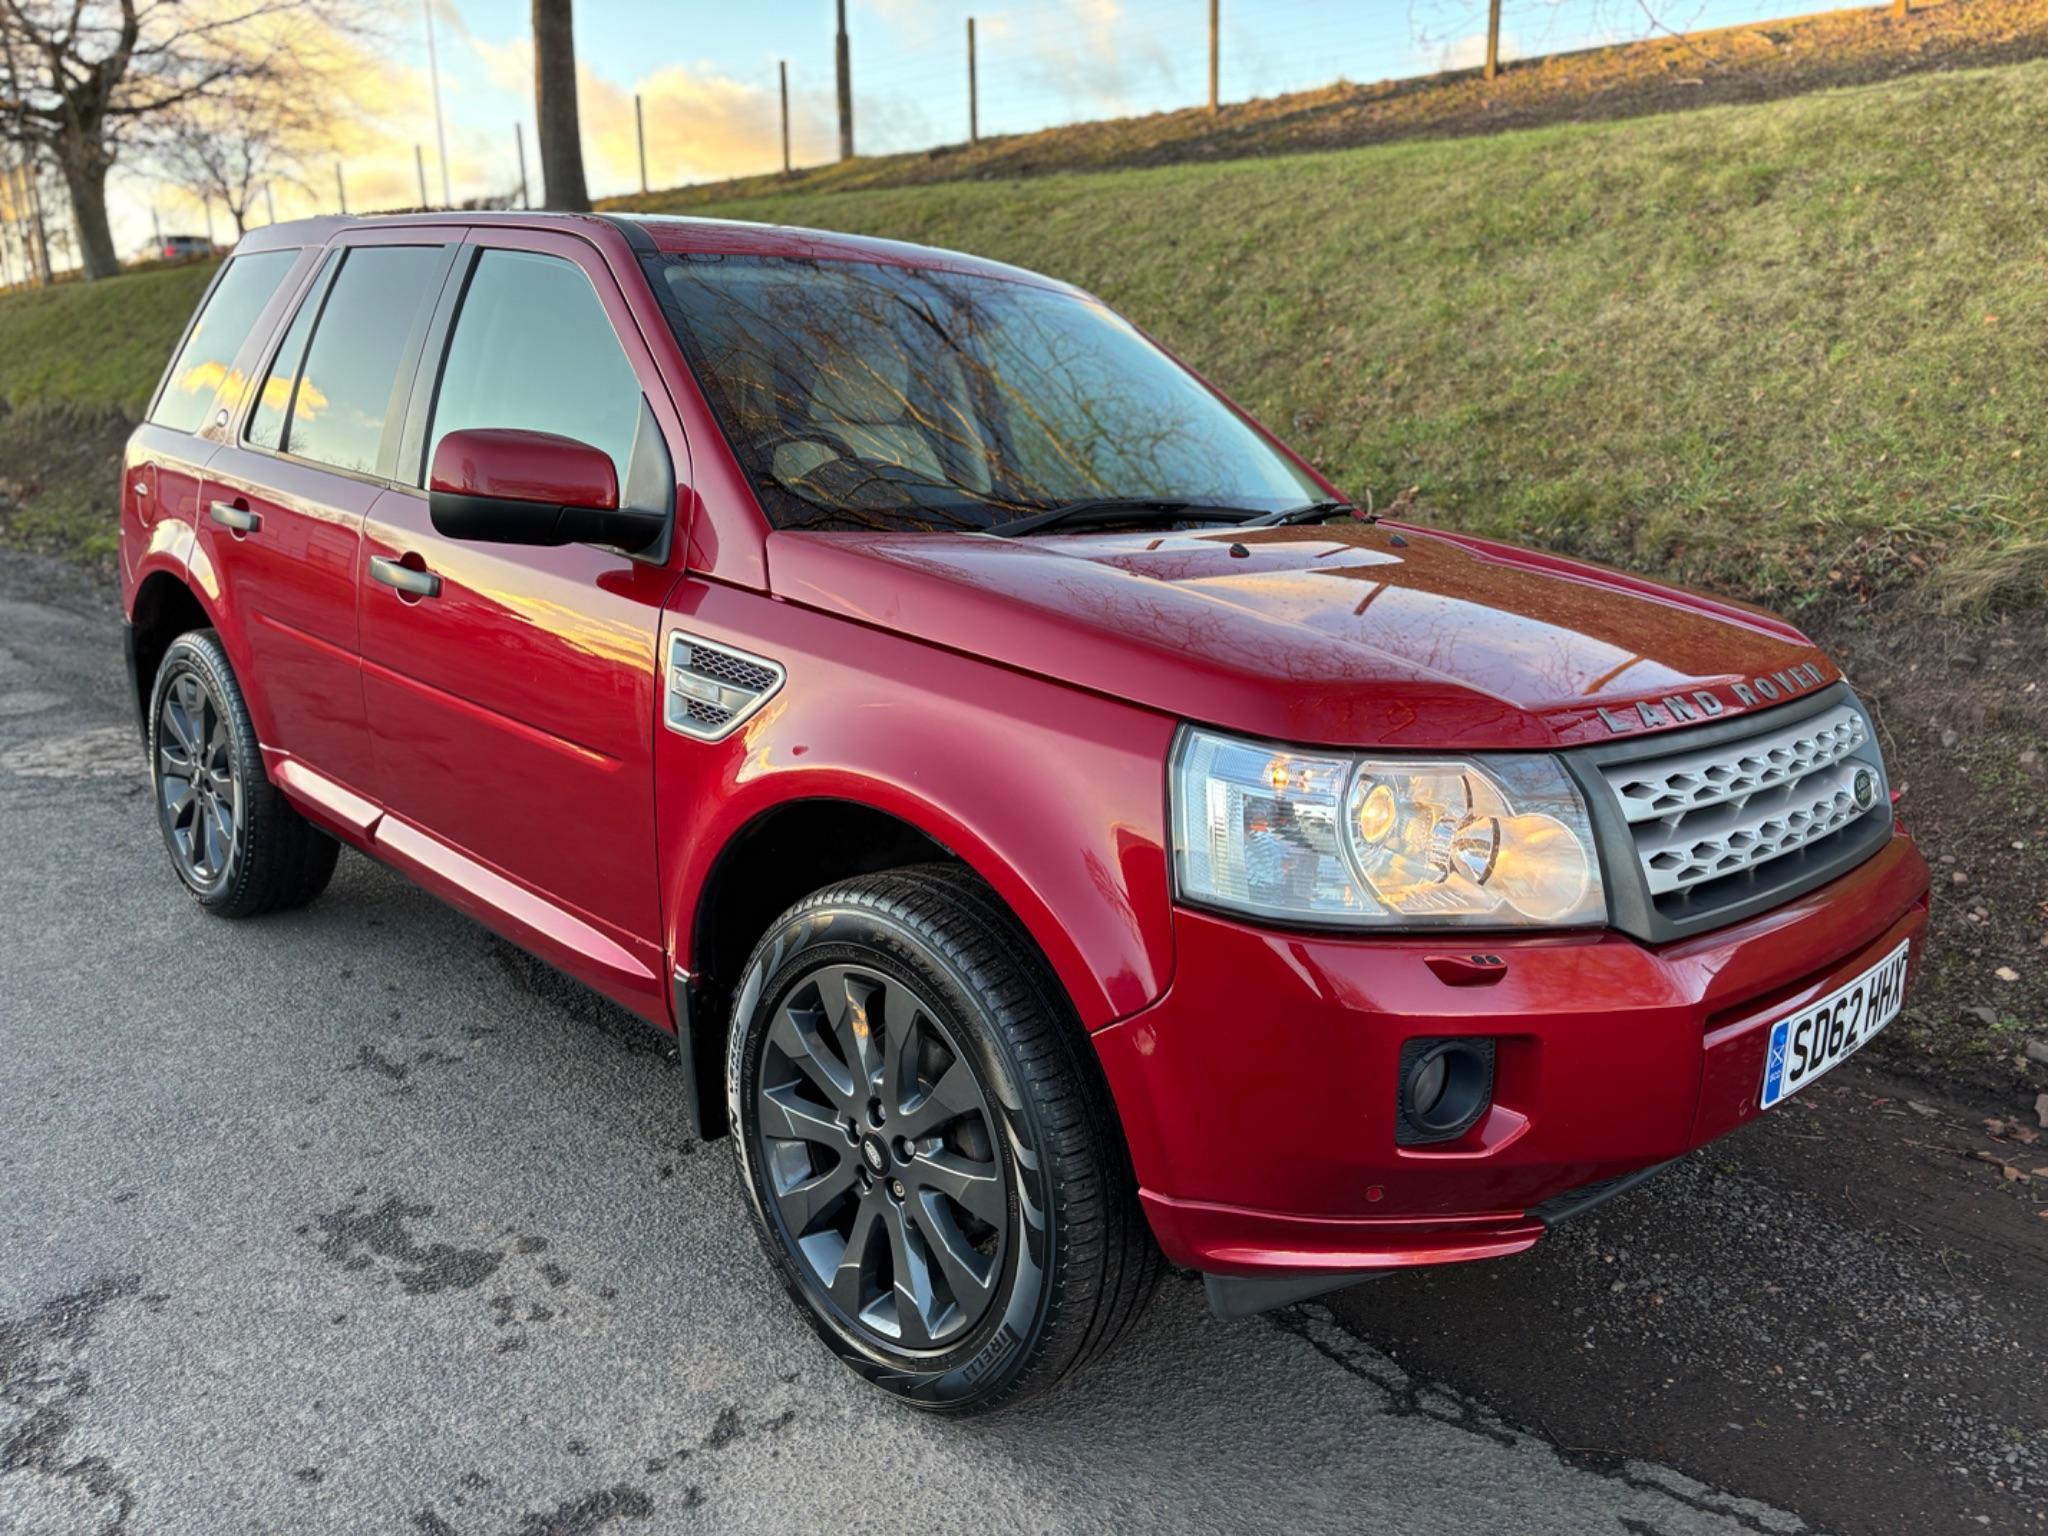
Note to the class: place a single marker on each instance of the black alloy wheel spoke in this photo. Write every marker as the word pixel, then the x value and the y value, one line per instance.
pixel 976 1187
pixel 968 1271
pixel 954 1095
pixel 197 796
pixel 879 1148
pixel 919 1312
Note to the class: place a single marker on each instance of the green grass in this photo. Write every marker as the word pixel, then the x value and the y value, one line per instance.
pixel 96 344
pixel 1772 349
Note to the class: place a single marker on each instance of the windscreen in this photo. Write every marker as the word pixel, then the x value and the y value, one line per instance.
pixel 860 395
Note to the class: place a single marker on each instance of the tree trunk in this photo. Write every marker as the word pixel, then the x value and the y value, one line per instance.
pixel 554 94
pixel 85 177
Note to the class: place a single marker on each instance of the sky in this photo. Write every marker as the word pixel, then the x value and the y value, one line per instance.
pixel 707 76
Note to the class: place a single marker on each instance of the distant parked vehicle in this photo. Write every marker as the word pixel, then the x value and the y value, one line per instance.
pixel 183 248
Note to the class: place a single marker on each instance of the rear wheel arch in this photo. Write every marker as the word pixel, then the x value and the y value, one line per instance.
pixel 164 608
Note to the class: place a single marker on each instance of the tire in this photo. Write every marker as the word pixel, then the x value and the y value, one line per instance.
pixel 236 844
pixel 1012 1288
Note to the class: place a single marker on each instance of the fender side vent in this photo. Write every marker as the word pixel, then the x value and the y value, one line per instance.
pixel 712 689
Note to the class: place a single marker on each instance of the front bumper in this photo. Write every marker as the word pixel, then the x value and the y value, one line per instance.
pixel 1258 1094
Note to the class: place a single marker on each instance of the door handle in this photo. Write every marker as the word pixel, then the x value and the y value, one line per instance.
pixel 414 583
pixel 241 519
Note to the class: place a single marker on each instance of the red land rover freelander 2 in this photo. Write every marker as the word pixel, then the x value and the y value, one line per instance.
pixel 1059 829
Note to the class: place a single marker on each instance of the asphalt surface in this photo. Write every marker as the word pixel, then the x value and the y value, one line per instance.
pixel 358 1220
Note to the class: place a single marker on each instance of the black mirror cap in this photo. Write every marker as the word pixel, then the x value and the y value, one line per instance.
pixel 500 520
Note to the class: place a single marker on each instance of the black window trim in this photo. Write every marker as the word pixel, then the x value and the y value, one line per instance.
pixel 313 293
pixel 449 240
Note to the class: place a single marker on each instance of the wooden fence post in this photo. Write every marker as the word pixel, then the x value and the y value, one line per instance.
pixel 1215 51
pixel 783 69
pixel 1492 38
pixel 973 93
pixel 845 63
pixel 640 128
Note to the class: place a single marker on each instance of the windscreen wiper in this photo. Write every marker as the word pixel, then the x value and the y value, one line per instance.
pixel 1116 509
pixel 1314 512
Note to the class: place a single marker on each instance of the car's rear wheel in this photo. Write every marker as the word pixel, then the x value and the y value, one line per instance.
pixel 931 1158
pixel 239 848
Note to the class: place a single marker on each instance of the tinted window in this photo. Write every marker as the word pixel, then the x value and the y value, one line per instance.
pixel 344 393
pixel 533 348
pixel 266 422
pixel 872 396
pixel 206 362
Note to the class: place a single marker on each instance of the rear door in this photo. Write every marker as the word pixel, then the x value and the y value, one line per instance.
pixel 281 514
pixel 512 705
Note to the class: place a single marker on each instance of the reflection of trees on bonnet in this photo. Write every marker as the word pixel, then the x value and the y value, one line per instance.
pixel 862 395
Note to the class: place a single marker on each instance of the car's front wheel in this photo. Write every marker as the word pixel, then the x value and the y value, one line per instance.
pixel 932 1160
pixel 239 848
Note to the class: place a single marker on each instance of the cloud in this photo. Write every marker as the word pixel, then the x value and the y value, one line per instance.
pixel 1081 54
pixel 1469 52
pixel 701 123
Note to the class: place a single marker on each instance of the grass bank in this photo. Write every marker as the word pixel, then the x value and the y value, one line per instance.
pixel 1777 349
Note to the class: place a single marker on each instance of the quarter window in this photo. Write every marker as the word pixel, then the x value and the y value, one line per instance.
pixel 344 394
pixel 205 364
pixel 533 348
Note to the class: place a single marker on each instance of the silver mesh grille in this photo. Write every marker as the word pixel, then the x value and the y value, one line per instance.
pixel 1731 809
pixel 711 689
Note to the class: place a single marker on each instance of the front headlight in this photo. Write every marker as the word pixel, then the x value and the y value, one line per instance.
pixel 1384 842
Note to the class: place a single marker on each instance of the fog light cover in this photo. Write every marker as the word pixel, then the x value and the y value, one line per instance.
pixel 1444 1086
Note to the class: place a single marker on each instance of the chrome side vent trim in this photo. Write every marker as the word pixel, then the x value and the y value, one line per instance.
pixel 712 689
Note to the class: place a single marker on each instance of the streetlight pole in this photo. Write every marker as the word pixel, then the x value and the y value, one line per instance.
pixel 440 132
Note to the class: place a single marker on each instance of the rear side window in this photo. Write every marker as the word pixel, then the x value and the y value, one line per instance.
pixel 344 395
pixel 206 362
pixel 533 348
pixel 266 422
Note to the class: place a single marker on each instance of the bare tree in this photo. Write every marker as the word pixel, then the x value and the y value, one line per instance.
pixel 228 149
pixel 554 94
pixel 88 80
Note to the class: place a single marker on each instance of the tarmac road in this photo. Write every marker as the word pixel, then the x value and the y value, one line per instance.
pixel 357 1220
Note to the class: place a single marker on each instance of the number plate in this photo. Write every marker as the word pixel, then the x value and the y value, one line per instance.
pixel 1826 1032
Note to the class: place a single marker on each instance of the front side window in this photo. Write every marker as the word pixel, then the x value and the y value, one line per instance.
pixel 345 391
pixel 534 349
pixel 859 395
pixel 205 365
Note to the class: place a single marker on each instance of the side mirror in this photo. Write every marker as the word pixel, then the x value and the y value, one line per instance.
pixel 509 486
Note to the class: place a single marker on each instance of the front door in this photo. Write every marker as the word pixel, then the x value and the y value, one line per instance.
pixel 512 691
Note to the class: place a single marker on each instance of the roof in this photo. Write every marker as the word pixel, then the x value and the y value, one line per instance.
pixel 668 235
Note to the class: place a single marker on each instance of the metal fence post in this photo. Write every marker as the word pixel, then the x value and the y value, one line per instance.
pixel 519 143
pixel 973 90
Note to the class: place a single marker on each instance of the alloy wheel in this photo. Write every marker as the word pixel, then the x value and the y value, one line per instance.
pixel 198 796
pixel 879 1148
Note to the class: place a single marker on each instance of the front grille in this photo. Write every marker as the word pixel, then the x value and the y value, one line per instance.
pixel 1706 814
pixel 1722 820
